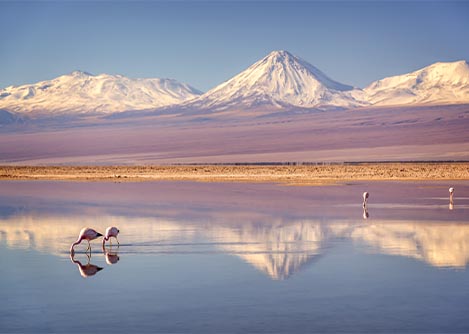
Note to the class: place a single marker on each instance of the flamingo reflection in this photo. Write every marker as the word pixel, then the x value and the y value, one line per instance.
pixel 111 257
pixel 366 215
pixel 86 270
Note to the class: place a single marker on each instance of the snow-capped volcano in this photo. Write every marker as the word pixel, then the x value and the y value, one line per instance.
pixel 82 92
pixel 280 80
pixel 439 83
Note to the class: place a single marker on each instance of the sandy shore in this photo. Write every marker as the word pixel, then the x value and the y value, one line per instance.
pixel 296 175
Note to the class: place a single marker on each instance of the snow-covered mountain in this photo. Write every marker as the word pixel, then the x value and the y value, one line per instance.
pixel 439 83
pixel 7 117
pixel 81 92
pixel 278 80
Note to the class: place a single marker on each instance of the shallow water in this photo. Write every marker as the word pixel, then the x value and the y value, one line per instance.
pixel 200 257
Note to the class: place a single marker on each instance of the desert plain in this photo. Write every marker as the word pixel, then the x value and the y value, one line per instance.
pixel 295 147
pixel 287 174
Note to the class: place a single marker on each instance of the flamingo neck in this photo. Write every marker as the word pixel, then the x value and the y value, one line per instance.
pixel 75 243
pixel 74 261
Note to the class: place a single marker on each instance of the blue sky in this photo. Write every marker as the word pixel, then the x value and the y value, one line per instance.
pixel 205 43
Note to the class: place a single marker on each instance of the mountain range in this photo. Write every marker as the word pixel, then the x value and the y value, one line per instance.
pixel 279 81
pixel 439 83
pixel 82 92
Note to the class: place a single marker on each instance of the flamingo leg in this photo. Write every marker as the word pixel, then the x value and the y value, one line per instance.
pixel 117 241
pixel 110 241
pixel 89 247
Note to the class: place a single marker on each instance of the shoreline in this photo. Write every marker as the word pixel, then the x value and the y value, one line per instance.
pixel 286 174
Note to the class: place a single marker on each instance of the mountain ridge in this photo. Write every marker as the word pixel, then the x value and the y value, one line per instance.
pixel 278 81
pixel 440 82
pixel 82 92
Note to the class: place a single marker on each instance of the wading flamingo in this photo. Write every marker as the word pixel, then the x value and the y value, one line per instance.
pixel 451 205
pixel 365 198
pixel 111 231
pixel 87 234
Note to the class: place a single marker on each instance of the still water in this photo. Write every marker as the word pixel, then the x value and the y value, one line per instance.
pixel 226 257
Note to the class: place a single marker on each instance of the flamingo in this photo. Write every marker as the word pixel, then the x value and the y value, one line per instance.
pixel 451 205
pixel 365 198
pixel 111 231
pixel 87 234
pixel 86 270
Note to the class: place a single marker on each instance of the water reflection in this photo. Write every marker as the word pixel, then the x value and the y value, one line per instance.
pixel 111 256
pixel 366 215
pixel 88 269
pixel 202 249
pixel 438 244
pixel 278 248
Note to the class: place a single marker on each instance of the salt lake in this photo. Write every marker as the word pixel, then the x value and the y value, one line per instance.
pixel 234 257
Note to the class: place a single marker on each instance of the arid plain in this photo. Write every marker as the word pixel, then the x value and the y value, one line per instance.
pixel 428 133
pixel 294 175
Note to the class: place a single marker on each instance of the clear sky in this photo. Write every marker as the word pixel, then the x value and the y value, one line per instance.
pixel 206 43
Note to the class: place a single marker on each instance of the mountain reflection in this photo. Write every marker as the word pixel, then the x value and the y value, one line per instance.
pixel 440 245
pixel 277 250
pixel 279 247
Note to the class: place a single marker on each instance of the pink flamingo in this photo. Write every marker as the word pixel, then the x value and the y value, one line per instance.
pixel 87 234
pixel 451 204
pixel 111 231
pixel 365 198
